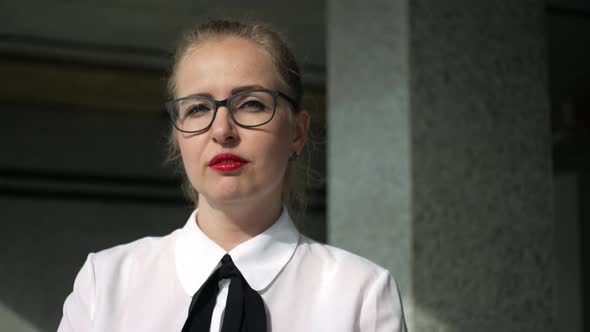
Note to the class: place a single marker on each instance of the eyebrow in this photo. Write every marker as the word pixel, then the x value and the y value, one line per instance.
pixel 246 88
pixel 232 92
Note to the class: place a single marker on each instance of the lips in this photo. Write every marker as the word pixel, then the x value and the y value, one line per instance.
pixel 227 162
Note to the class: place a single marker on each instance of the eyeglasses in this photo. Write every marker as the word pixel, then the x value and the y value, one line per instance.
pixel 248 109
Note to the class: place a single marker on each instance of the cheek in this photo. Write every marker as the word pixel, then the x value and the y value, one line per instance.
pixel 280 143
pixel 190 152
pixel 274 162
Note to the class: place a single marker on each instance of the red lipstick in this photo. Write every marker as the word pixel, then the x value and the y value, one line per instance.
pixel 227 162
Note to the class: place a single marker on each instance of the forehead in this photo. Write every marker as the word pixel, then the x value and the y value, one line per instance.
pixel 215 67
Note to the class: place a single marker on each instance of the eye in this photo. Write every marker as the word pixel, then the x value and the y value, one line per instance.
pixel 253 105
pixel 194 110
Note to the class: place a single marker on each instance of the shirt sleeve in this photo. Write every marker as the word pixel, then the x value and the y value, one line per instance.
pixel 382 309
pixel 78 310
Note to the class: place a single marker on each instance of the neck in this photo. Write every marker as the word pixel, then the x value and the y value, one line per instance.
pixel 229 224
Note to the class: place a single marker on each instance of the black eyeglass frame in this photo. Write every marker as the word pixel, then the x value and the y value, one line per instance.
pixel 218 103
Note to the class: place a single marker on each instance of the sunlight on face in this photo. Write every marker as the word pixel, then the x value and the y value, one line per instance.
pixel 219 68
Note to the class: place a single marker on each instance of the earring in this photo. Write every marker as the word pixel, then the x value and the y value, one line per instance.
pixel 293 157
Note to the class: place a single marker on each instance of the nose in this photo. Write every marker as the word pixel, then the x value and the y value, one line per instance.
pixel 223 129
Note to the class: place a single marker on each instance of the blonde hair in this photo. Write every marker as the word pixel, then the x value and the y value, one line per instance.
pixel 288 74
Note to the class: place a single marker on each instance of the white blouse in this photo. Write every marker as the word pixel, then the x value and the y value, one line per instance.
pixel 147 285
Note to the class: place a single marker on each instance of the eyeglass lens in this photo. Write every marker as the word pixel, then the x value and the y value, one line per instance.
pixel 247 109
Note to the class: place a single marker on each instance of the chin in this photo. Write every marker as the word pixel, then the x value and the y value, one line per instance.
pixel 227 192
pixel 232 190
pixel 226 198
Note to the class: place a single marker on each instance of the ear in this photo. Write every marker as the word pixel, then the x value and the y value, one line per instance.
pixel 301 128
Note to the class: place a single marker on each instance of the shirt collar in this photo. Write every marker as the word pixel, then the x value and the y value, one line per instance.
pixel 259 259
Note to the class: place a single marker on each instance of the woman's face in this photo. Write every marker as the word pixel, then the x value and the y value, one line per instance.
pixel 219 68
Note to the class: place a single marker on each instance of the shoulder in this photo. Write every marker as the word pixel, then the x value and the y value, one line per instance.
pixel 125 257
pixel 105 276
pixel 332 261
pixel 363 289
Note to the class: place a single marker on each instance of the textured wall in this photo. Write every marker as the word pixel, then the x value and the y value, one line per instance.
pixel 369 206
pixel 468 151
pixel 481 165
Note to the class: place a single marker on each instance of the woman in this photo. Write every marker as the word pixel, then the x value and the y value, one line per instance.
pixel 238 264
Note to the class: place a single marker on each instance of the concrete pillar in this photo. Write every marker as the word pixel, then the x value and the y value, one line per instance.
pixel 439 156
